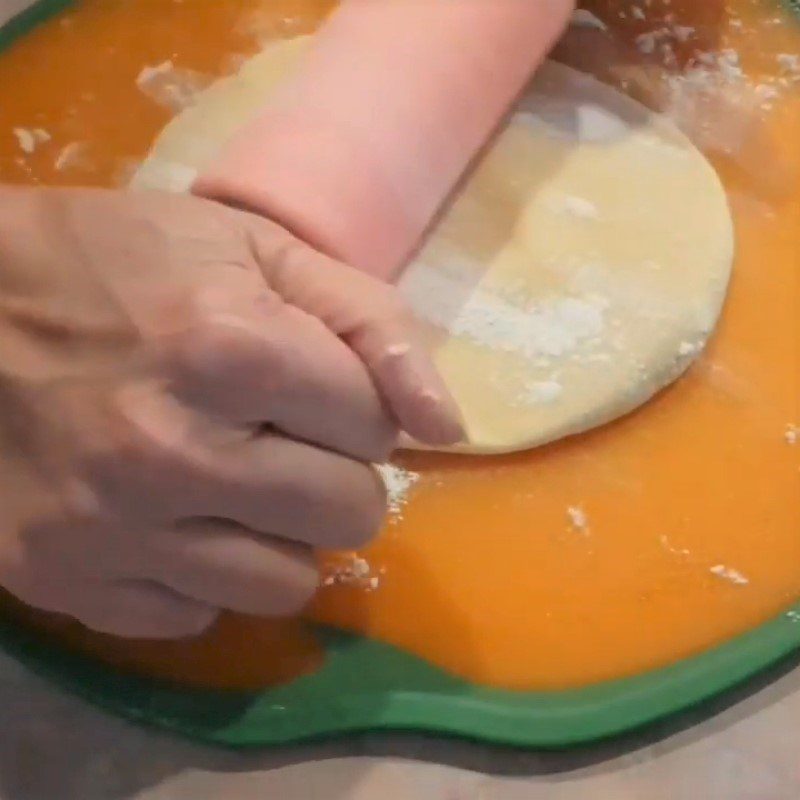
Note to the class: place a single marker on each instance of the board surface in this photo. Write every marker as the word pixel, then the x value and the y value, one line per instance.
pixel 369 685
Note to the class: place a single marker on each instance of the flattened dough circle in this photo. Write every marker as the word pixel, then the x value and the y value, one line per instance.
pixel 580 270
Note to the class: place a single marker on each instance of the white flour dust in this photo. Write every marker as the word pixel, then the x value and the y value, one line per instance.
pixel 729 574
pixel 29 139
pixel 578 519
pixel 449 299
pixel 573 206
pixel 172 87
pixel 355 572
pixel 398 482
pixel 540 393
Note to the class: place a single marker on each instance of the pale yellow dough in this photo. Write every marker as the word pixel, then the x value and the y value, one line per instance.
pixel 581 269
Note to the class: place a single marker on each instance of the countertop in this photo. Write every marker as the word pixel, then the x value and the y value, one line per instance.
pixel 745 746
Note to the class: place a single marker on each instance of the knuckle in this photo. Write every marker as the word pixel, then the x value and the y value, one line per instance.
pixel 286 256
pixel 209 345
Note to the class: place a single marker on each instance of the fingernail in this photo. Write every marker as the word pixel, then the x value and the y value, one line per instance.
pixel 435 418
pixel 446 423
pixel 439 415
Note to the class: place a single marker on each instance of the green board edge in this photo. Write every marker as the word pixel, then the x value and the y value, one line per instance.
pixel 28 19
pixel 365 685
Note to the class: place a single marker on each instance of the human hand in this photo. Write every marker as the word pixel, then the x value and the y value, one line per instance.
pixel 190 400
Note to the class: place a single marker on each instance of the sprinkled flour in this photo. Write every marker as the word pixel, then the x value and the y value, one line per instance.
pixel 353 571
pixel 540 393
pixel 574 206
pixel 578 519
pixel 670 548
pixel 29 139
pixel 171 87
pixel 398 482
pixel 689 348
pixel 729 574
pixel 789 63
pixel 71 155
pixel 553 327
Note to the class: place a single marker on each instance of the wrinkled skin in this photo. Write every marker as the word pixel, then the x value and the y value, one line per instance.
pixel 190 402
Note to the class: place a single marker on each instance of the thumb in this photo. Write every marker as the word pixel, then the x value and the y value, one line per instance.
pixel 373 320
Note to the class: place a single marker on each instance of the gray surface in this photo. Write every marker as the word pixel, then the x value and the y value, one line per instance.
pixel 745 747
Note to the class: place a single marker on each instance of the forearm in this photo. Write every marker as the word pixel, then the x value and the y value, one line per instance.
pixel 362 146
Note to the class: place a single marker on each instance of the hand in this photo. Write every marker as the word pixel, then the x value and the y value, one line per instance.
pixel 190 400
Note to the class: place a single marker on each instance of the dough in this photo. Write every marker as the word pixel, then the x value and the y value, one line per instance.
pixel 581 268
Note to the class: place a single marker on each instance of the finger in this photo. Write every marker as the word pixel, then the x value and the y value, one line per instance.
pixel 130 609
pixel 276 364
pixel 169 463
pixel 292 490
pixel 224 565
pixel 372 319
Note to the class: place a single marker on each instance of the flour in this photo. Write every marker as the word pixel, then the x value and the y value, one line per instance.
pixel 541 393
pixel 728 63
pixel 398 482
pixel 171 175
pixel 578 519
pixel 573 206
pixel 149 74
pixel 729 574
pixel 552 328
pixel 29 139
pixel 70 156
pixel 170 86
pixel 646 42
pixel 662 38
pixel 689 348
pixel 684 32
pixel 789 63
pixel 447 298
pixel 670 548
pixel 353 571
